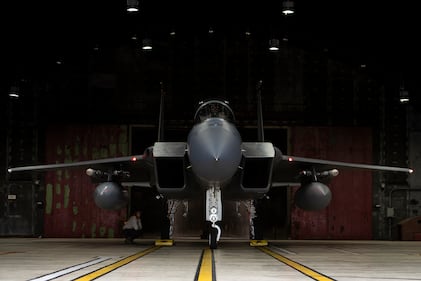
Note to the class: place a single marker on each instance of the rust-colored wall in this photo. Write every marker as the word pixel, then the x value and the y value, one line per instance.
pixel 70 210
pixel 349 214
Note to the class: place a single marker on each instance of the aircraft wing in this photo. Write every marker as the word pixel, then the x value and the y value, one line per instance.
pixel 136 166
pixel 80 164
pixel 288 168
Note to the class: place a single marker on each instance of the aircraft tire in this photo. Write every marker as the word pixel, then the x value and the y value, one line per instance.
pixel 213 233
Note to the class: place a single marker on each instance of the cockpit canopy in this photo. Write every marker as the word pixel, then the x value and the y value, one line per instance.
pixel 214 108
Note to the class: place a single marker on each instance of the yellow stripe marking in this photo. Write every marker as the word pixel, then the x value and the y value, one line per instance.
pixel 301 268
pixel 107 269
pixel 206 267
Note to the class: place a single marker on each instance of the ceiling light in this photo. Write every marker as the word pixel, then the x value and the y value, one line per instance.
pixel 403 95
pixel 14 92
pixel 146 44
pixel 172 31
pixel 274 45
pixel 288 7
pixel 247 32
pixel 132 6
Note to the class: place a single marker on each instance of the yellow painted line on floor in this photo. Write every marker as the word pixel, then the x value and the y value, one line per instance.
pixel 299 267
pixel 107 269
pixel 206 268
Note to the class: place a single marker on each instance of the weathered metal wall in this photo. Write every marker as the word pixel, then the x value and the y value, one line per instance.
pixel 349 215
pixel 414 180
pixel 70 210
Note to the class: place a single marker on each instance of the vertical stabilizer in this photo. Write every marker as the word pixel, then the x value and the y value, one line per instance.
pixel 260 131
pixel 161 115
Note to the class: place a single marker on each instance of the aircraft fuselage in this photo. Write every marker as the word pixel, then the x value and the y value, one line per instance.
pixel 214 151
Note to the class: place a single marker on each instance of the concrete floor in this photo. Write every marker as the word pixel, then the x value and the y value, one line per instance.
pixel 73 259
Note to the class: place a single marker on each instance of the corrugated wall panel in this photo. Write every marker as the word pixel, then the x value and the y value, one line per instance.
pixel 349 214
pixel 70 210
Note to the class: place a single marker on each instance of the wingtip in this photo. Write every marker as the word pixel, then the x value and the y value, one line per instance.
pixel 9 170
pixel 411 171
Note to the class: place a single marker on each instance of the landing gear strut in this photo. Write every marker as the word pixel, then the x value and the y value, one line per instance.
pixel 214 214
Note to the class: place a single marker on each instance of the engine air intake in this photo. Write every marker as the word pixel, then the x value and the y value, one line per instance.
pixel 169 166
pixel 257 166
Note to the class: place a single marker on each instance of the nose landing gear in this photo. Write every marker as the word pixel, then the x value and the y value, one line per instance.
pixel 214 214
pixel 214 235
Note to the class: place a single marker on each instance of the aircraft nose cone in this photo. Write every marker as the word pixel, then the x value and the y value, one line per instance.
pixel 214 150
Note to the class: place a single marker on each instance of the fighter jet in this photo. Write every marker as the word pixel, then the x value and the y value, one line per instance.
pixel 213 161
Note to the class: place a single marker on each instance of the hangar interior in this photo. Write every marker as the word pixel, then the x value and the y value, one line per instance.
pixel 331 90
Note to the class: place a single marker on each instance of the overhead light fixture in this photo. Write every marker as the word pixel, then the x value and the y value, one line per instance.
pixel 14 92
pixel 146 44
pixel 132 6
pixel 172 32
pixel 288 7
pixel 403 95
pixel 274 45
pixel 247 32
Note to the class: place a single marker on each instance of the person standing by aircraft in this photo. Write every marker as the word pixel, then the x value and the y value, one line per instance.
pixel 132 228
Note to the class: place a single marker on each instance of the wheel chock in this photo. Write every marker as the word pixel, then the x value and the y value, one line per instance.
pixel 258 243
pixel 164 242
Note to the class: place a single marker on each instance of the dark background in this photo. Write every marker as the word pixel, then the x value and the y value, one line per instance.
pixel 102 67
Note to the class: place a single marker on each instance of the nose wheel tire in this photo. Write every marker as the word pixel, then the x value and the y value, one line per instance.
pixel 213 238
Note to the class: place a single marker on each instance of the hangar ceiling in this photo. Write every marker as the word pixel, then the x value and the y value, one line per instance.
pixel 379 28
pixel 51 40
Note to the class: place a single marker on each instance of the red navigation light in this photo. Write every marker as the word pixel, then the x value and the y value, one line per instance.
pixel 290 159
pixel 134 159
